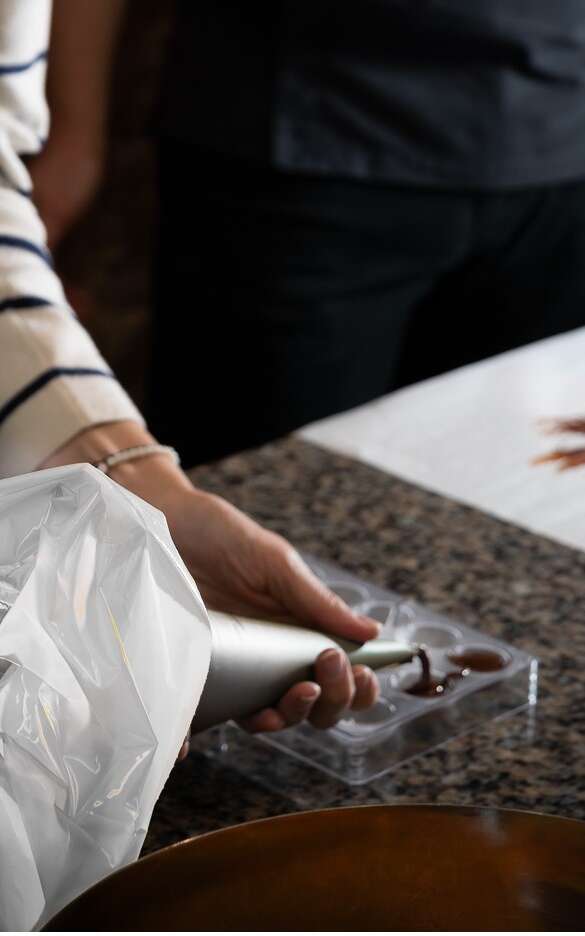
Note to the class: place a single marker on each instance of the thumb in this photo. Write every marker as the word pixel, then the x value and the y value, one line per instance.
pixel 310 601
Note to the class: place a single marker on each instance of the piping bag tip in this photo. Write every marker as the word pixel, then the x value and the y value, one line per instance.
pixel 380 653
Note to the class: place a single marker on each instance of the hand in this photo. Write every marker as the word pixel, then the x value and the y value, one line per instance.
pixel 242 568
pixel 66 176
pixel 338 688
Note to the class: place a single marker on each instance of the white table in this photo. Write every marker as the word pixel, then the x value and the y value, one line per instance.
pixel 472 433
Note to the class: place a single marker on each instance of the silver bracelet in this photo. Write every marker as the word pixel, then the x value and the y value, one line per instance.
pixel 136 451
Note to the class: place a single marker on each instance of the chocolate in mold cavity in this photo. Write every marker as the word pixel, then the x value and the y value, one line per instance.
pixel 436 687
pixel 479 660
pixel 427 689
pixel 428 686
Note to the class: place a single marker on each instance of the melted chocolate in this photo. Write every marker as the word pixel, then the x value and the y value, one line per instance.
pixel 423 656
pixel 480 661
pixel 428 686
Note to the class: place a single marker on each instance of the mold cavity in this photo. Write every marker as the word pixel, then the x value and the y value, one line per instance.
pixel 427 683
pixel 377 713
pixel 385 612
pixel 406 614
pixel 351 594
pixel 369 720
pixel 479 659
pixel 436 685
pixel 436 635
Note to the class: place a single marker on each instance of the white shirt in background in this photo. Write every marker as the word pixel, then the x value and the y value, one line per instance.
pixel 53 381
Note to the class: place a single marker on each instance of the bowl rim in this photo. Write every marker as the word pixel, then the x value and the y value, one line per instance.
pixel 464 809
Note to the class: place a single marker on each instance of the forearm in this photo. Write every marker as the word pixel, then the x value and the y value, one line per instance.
pixel 53 381
pixel 199 522
pixel 155 478
pixel 83 40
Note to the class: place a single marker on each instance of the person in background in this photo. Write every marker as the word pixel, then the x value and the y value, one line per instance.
pixel 61 404
pixel 354 196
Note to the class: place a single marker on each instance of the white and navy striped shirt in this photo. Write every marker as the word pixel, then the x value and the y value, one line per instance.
pixel 53 381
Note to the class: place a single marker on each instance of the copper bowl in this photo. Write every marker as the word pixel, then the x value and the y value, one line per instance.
pixel 351 869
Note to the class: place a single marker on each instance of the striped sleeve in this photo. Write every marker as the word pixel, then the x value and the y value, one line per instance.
pixel 53 381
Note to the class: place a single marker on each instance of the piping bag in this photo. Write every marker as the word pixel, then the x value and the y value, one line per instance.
pixel 105 650
pixel 253 663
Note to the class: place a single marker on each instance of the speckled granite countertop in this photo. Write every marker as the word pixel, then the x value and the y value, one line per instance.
pixel 493 576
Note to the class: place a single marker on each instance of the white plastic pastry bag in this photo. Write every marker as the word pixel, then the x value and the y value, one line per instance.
pixel 104 652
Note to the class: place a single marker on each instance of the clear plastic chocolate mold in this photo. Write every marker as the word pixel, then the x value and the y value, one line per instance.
pixel 315 566
pixel 365 746
pixel 357 724
pixel 386 612
pixel 353 593
pixel 434 636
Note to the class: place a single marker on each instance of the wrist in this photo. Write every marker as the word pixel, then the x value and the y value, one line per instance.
pixel 155 478
pixel 100 440
pixel 158 480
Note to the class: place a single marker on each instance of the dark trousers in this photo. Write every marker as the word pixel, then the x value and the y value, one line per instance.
pixel 281 299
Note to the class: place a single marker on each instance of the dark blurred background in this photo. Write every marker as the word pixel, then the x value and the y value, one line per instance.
pixel 106 259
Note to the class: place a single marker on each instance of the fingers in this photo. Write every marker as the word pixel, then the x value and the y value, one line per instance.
pixel 266 720
pixel 342 688
pixel 298 702
pixel 294 707
pixel 312 602
pixel 334 674
pixel 367 688
pixel 322 703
